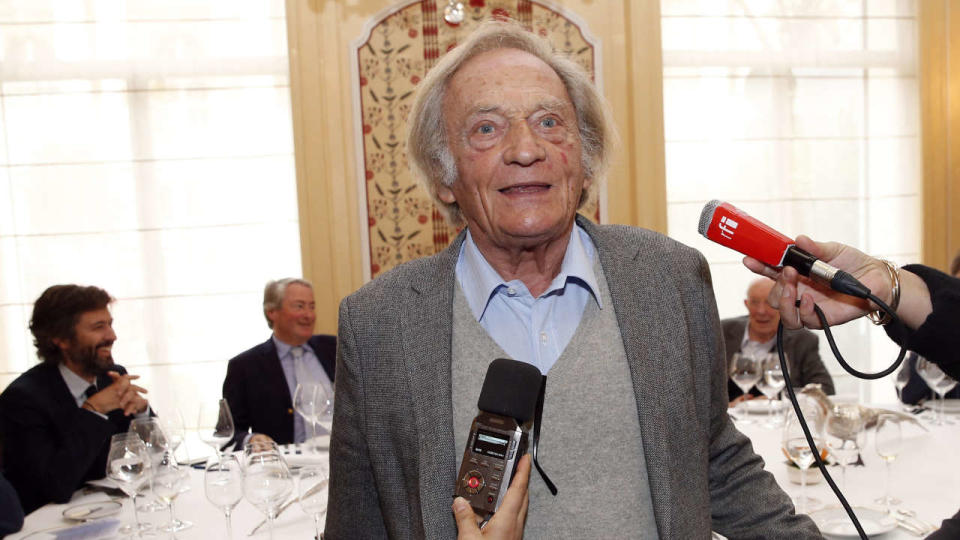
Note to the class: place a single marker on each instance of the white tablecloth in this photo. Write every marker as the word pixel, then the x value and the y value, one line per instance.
pixel 208 520
pixel 925 476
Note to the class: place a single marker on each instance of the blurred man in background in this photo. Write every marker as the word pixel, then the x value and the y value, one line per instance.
pixel 56 419
pixel 261 381
pixel 756 335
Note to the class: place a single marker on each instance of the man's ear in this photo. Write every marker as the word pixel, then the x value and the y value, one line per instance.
pixel 63 344
pixel 445 194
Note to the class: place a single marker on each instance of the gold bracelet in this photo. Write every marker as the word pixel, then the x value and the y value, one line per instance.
pixel 880 317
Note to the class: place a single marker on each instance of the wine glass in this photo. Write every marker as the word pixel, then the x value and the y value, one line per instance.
pixel 266 481
pixel 902 378
pixel 946 384
pixel 168 482
pixel 771 383
pixel 215 425
pixel 937 380
pixel 313 492
pixel 174 427
pixel 128 465
pixel 152 435
pixel 845 435
pixel 305 403
pixel 745 372
pixel 324 415
pixel 888 443
pixel 223 482
pixel 796 447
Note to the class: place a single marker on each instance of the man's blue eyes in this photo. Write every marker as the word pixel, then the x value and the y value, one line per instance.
pixel 487 129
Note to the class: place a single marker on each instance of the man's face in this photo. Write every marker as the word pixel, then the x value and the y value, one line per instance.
pixel 513 133
pixel 90 350
pixel 763 318
pixel 293 322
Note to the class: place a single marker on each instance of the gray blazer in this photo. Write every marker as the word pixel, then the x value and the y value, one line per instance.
pixel 392 454
pixel 800 346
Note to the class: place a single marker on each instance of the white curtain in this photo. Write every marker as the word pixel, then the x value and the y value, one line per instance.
pixel 146 148
pixel 804 113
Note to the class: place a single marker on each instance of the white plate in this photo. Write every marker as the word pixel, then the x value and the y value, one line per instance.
pixel 834 522
pixel 92 510
pixel 762 406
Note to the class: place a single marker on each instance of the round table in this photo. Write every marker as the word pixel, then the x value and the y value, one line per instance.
pixel 925 476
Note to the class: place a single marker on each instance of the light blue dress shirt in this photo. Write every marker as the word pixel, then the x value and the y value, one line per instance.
pixel 532 330
pixel 310 369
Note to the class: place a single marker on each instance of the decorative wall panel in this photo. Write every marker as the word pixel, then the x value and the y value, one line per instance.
pixel 392 57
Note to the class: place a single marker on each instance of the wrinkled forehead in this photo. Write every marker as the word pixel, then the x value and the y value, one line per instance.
pixel 759 289
pixel 491 71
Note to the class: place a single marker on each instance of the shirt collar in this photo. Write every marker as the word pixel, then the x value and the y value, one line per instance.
pixel 75 383
pixel 746 339
pixel 480 281
pixel 283 349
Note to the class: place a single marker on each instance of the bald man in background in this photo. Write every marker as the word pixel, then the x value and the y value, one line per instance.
pixel 756 334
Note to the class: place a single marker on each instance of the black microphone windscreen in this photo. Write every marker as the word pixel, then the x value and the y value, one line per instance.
pixel 510 389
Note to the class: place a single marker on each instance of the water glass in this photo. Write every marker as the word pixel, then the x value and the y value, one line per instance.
pixel 215 425
pixel 796 447
pixel 313 492
pixel 845 435
pixel 889 441
pixel 744 372
pixel 266 481
pixel 223 485
pixel 128 465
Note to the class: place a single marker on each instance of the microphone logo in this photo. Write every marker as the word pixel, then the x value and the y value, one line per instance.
pixel 727 227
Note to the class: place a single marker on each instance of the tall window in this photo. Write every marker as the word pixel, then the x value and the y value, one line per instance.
pixel 805 115
pixel 146 147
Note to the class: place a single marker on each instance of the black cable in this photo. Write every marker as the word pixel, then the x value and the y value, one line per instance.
pixel 856 373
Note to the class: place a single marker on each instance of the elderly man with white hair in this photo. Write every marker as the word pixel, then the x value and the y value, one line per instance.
pixel 510 137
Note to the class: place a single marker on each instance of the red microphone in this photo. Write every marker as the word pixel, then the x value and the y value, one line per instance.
pixel 729 226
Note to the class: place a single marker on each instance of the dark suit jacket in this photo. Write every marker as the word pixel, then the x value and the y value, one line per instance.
pixel 800 346
pixel 51 446
pixel 257 391
pixel 11 514
pixel 392 455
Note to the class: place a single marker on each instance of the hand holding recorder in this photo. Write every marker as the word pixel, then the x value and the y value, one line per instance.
pixel 507 523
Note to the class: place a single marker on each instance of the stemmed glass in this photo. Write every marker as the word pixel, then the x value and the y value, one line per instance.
pixel 888 442
pixel 168 482
pixel 174 427
pixel 128 465
pixel 313 492
pixel 745 372
pixel 305 403
pixel 152 435
pixel 771 383
pixel 845 435
pixel 223 482
pixel 266 480
pixel 324 414
pixel 215 425
pixel 795 446
pixel 937 380
pixel 902 378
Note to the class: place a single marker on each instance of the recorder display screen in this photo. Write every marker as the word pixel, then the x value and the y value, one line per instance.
pixel 491 444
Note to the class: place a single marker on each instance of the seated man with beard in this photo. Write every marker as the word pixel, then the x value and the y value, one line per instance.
pixel 56 419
